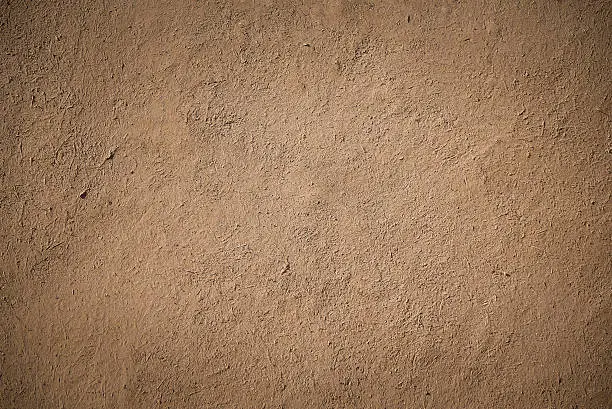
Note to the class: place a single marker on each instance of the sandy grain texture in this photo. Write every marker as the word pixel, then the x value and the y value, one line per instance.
pixel 252 204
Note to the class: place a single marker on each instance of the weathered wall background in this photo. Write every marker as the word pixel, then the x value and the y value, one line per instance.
pixel 308 204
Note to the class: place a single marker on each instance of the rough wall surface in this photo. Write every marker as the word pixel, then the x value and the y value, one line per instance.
pixel 305 204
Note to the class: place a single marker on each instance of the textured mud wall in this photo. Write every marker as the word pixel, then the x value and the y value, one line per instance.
pixel 305 204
